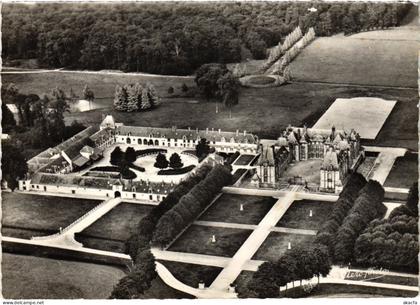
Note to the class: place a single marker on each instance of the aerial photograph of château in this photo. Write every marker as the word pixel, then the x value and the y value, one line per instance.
pixel 209 150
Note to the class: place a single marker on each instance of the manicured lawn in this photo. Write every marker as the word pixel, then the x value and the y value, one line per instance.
pixel 191 274
pixel 159 290
pixel 197 239
pixel 110 232
pixel 29 277
pixel 348 291
pixel 227 209
pixel 276 244
pixel 297 216
pixel 404 171
pixel 119 223
pixel 244 160
pixel 340 59
pixel 44 213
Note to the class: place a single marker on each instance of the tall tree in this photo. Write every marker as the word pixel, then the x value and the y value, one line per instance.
pixel 120 98
pixel 229 91
pixel 175 161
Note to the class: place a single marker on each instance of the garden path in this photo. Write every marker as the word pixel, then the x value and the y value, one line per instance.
pixel 252 227
pixel 201 259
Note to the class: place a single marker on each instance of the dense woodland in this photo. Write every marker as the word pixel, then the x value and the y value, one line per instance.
pixel 173 38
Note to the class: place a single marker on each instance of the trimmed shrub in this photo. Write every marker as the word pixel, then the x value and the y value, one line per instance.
pixel 176 171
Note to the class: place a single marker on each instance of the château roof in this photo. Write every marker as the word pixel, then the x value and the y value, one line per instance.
pixel 189 134
pixel 330 160
pixel 266 156
pixel 108 122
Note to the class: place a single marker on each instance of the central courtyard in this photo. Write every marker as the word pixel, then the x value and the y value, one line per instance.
pixel 147 161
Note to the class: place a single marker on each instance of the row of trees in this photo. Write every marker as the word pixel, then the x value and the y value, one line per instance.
pixel 172 38
pixel 281 64
pixel 367 207
pixel 327 233
pixel 135 97
pixel 138 245
pixel 303 262
pixel 392 243
pixel 277 51
pixel 191 205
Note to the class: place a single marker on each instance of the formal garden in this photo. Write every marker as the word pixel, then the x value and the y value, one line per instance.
pixel 137 163
pixel 211 241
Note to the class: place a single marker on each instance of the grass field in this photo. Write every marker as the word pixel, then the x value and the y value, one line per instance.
pixel 103 85
pixel 192 274
pixel 43 213
pixel 262 111
pixel 197 239
pixel 404 172
pixel 29 277
pixel 297 216
pixel 227 209
pixel 276 244
pixel 354 60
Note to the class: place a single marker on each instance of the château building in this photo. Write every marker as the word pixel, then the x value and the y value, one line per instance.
pixel 340 152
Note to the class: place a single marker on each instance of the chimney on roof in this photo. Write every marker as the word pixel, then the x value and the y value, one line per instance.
pixel 196 130
pixel 189 128
pixel 219 130
pixel 212 129
pixel 244 132
pixel 173 128
pixel 237 132
pixel 207 130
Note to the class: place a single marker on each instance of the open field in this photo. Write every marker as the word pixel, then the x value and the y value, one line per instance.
pixel 197 239
pixel 366 114
pixel 263 111
pixel 192 274
pixel 29 277
pixel 404 172
pixel 276 244
pixel 43 213
pixel 359 60
pixel 102 84
pixel 227 209
pixel 297 216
